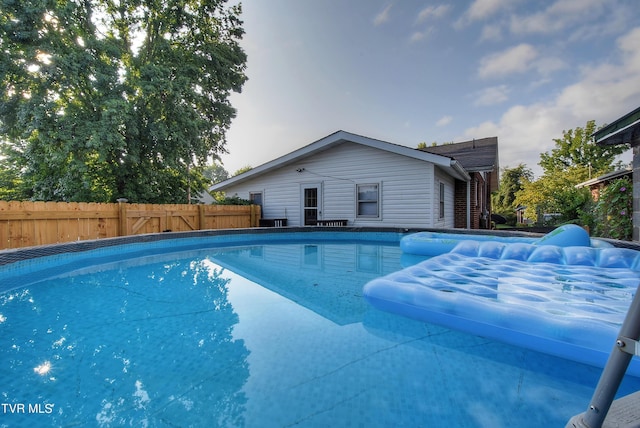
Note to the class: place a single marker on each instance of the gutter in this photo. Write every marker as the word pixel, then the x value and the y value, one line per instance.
pixel 457 167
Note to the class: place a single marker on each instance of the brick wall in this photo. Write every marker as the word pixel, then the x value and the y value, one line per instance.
pixel 460 220
pixel 460 204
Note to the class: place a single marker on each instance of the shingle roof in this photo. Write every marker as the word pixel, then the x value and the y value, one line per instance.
pixel 474 155
pixel 606 177
pixel 455 169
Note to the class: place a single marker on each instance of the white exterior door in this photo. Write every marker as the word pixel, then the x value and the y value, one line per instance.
pixel 311 196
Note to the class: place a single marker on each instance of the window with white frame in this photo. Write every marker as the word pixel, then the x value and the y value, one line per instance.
pixel 368 200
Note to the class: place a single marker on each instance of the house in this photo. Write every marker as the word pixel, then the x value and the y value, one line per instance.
pixel 349 179
pixel 626 130
pixel 520 217
pixel 480 159
pixel 596 185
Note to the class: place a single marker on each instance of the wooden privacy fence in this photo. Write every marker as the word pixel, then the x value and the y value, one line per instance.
pixel 24 224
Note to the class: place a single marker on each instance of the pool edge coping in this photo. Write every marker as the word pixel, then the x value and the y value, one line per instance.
pixel 13 255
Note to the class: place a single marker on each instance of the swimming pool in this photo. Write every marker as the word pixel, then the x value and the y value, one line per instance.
pixel 267 329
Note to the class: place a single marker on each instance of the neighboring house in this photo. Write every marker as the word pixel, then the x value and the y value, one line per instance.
pixel 596 185
pixel 205 198
pixel 520 218
pixel 360 181
pixel 480 159
pixel 626 130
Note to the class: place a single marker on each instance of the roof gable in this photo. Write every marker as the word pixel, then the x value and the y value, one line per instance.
pixel 474 155
pixel 453 167
pixel 606 177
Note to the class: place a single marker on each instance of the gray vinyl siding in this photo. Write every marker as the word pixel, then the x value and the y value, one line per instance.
pixel 407 187
pixel 449 200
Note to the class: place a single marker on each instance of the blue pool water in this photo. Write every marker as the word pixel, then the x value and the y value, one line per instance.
pixel 255 331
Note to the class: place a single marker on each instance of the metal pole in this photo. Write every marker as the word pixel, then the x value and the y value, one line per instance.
pixel 613 372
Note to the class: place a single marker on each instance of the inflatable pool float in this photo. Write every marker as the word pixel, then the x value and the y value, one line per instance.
pixel 565 301
pixel 436 243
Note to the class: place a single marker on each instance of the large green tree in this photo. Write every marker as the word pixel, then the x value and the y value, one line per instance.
pixel 215 173
pixel 577 156
pixel 574 159
pixel 106 99
pixel 512 180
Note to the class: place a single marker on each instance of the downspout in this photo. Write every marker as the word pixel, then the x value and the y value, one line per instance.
pixel 468 204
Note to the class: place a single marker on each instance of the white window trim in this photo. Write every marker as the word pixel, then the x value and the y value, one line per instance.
pixel 378 215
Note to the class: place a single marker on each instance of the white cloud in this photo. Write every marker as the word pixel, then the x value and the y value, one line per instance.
pixel 603 93
pixel 481 9
pixel 629 44
pixel 610 23
pixel 420 35
pixel 608 86
pixel 425 14
pixel 432 11
pixel 417 36
pixel 491 96
pixel 491 33
pixel 517 59
pixel 483 130
pixel 559 16
pixel 524 132
pixel 444 120
pixel 549 65
pixel 383 16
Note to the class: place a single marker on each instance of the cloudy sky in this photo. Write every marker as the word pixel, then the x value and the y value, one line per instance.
pixel 409 71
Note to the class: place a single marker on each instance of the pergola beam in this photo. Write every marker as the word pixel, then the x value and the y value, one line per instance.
pixel 625 130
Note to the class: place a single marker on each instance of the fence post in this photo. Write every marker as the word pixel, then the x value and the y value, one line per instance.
pixel 254 216
pixel 122 216
pixel 202 224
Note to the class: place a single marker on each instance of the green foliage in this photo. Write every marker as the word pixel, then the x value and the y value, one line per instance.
pixel 511 218
pixel 614 211
pixel 10 185
pixel 574 159
pixel 231 200
pixel 586 215
pixel 512 180
pixel 215 173
pixel 424 146
pixel 537 197
pixel 554 193
pixel 577 155
pixel 103 100
pixel 242 170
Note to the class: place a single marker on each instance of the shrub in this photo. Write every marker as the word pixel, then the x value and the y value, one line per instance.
pixel 232 200
pixel 614 211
